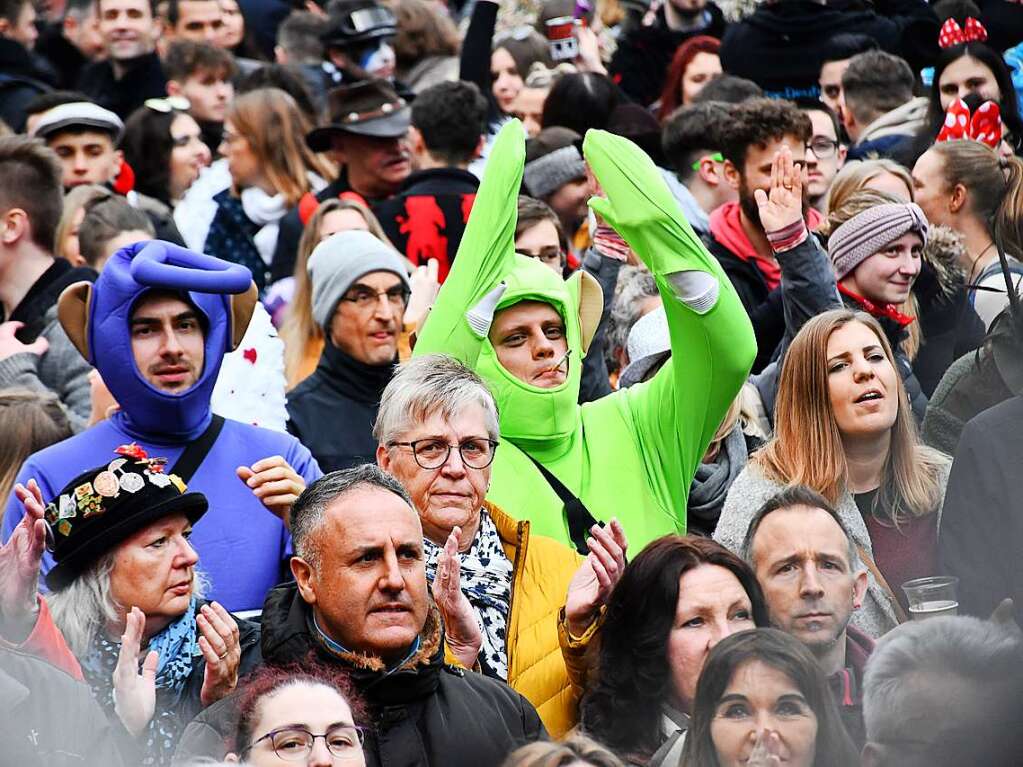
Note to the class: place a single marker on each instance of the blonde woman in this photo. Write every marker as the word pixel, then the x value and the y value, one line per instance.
pixel 881 175
pixel 271 169
pixel 843 427
pixel 303 338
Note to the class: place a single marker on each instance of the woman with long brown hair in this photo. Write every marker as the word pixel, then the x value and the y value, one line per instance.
pixel 271 169
pixel 844 428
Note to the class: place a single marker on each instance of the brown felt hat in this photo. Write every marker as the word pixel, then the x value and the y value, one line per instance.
pixel 367 108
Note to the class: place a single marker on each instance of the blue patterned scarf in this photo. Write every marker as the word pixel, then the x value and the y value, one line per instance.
pixel 178 648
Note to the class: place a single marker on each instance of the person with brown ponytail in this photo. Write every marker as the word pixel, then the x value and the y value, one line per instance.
pixel 968 187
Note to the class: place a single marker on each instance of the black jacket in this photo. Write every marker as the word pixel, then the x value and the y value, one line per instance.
pixel 143 80
pixel 43 294
pixel 290 229
pixel 49 719
pixel 332 411
pixel 640 65
pixel 62 55
pixel 426 218
pixel 981 533
pixel 781 45
pixel 21 80
pixel 426 713
pixel 763 305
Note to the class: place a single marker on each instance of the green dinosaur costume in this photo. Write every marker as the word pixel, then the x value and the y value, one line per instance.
pixel 633 454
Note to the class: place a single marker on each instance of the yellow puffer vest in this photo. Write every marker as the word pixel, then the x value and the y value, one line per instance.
pixel 543 568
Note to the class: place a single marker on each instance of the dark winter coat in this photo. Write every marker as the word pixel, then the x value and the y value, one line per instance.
pixel 333 410
pixel 62 55
pixel 143 80
pixel 21 80
pixel 781 45
pixel 426 713
pixel 981 534
pixel 640 65
pixel 847 685
pixel 427 217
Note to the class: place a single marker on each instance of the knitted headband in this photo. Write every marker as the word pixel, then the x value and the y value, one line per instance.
pixel 546 174
pixel 866 233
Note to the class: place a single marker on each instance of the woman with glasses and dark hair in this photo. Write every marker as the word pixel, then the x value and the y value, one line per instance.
pixel 763 699
pixel 438 434
pixel 307 715
pixel 675 601
pixel 164 147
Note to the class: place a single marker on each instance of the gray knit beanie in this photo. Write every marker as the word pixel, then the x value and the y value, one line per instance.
pixel 866 233
pixel 339 261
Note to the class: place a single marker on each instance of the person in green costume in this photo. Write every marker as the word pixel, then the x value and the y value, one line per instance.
pixel 633 454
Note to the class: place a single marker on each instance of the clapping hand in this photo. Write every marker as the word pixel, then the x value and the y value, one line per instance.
pixel 597 576
pixel 461 630
pixel 134 691
pixel 782 206
pixel 19 565
pixel 425 284
pixel 220 645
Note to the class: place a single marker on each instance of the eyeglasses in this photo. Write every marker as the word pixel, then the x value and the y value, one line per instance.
pixel 434 453
pixel 549 255
pixel 296 743
pixel 822 147
pixel 364 298
pixel 716 157
pixel 169 104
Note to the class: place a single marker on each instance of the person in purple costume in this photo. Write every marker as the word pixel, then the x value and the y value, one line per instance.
pixel 156 325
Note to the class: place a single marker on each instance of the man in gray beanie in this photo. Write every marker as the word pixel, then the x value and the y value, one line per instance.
pixel 556 174
pixel 360 290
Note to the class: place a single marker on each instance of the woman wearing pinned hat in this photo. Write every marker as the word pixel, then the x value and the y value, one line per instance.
pixel 125 590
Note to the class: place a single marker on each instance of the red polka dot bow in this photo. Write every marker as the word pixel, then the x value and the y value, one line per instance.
pixel 952 34
pixel 984 125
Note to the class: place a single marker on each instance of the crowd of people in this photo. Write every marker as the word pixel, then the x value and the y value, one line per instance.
pixel 511 383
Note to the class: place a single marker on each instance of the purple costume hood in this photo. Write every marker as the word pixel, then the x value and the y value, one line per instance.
pixel 97 319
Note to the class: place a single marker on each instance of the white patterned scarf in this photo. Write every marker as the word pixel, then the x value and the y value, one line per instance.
pixel 486 576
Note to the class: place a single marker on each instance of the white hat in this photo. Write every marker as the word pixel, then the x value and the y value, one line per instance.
pixel 79 114
pixel 649 343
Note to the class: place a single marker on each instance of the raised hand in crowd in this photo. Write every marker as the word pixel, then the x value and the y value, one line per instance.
pixel 783 205
pixel 596 577
pixel 19 566
pixel 461 630
pixel 275 483
pixel 10 345
pixel 767 749
pixel 220 645
pixel 134 690
pixel 425 287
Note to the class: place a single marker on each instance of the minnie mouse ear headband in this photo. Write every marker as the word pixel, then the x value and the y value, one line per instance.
pixel 984 125
pixel 866 233
pixel 952 34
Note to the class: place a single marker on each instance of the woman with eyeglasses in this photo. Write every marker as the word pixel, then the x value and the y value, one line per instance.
pixel 164 147
pixel 298 716
pixel 500 587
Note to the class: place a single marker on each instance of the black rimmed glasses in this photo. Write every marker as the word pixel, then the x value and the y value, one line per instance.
pixel 364 297
pixel 477 453
pixel 822 147
pixel 294 744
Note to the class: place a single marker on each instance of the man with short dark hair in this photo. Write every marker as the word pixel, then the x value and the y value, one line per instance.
pixel 299 45
pixel 880 111
pixel 693 149
pixel 427 216
pixel 35 352
pixel 203 74
pixel 367 135
pixel 813 580
pixel 72 43
pixel 197 20
pixel 758 128
pixel 22 77
pixel 729 89
pixel 360 601
pixel 131 72
pixel 836 59
pixel 825 153
pixel 640 63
